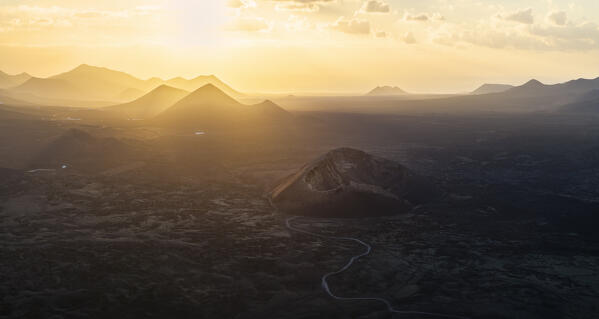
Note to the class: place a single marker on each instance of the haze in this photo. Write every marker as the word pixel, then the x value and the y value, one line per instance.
pixel 309 46
pixel 299 159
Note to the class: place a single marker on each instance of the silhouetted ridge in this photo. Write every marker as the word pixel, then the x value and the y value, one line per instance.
pixel 533 84
pixel 210 108
pixel 209 93
pixel 151 104
pixel 491 88
pixel 347 182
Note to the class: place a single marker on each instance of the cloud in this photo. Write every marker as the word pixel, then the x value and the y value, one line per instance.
pixel 548 37
pixel 375 6
pixel 300 5
pixel 240 4
pixel 352 26
pixel 557 17
pixel 248 24
pixel 522 16
pixel 409 38
pixel 381 34
pixel 422 17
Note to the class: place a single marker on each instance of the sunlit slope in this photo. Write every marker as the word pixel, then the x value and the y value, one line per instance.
pixel 210 108
pixel 150 104
pixel 198 82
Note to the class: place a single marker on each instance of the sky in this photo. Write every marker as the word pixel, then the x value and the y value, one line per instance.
pixel 295 46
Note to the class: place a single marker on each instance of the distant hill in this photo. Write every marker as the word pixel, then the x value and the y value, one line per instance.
pixel 198 82
pixel 491 88
pixel 387 90
pixel 7 80
pixel 82 151
pixel 51 88
pixel 532 96
pixel 150 104
pixel 103 83
pixel 210 108
pixel 91 83
pixel 588 103
pixel 532 87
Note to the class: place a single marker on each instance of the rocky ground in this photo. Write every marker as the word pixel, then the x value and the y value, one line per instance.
pixel 183 233
pixel 76 246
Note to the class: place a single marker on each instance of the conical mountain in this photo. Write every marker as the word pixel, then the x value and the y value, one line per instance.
pixel 210 108
pixel 151 104
pixel 347 182
pixel 200 81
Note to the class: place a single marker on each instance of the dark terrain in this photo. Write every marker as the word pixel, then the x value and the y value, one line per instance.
pixel 172 224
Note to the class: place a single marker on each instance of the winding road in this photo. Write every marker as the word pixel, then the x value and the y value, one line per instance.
pixel 325 284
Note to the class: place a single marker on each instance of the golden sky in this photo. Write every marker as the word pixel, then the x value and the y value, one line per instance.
pixel 309 45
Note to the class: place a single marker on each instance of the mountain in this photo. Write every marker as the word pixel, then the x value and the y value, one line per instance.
pixel 210 108
pixel 532 87
pixel 50 88
pixel 588 103
pixel 77 149
pixel 150 104
pixel 86 83
pixel 350 183
pixel 102 83
pixel 491 88
pixel 130 94
pixel 533 96
pixel 7 80
pixel 387 90
pixel 200 81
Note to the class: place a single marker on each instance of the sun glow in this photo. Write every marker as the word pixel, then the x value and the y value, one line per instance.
pixel 299 46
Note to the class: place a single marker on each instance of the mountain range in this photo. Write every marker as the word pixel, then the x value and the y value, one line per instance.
pixel 87 83
pixel 210 108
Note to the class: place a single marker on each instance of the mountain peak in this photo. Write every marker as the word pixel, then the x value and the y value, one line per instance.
pixel 210 90
pixel 208 94
pixel 387 90
pixel 533 83
pixel 85 67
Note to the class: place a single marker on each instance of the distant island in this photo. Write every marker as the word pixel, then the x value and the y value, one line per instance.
pixel 387 90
